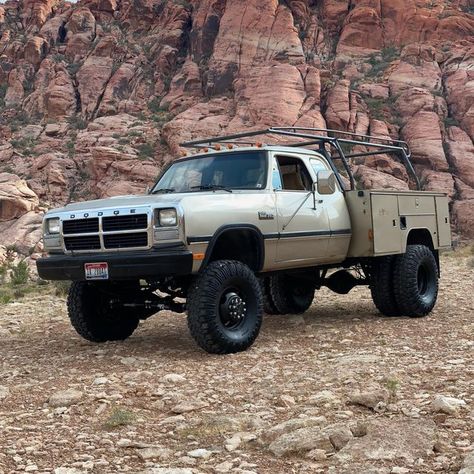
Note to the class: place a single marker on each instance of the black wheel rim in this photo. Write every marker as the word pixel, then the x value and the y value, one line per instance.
pixel 233 308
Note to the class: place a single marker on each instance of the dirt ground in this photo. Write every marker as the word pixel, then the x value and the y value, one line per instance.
pixel 157 401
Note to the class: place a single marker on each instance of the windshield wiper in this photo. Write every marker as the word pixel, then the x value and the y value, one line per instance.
pixel 163 190
pixel 212 187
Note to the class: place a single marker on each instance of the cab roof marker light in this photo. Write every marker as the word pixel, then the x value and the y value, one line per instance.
pixel 217 147
pixel 230 146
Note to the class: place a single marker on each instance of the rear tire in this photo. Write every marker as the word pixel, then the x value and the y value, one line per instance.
pixel 225 307
pixel 381 287
pixel 415 281
pixel 268 304
pixel 93 319
pixel 290 295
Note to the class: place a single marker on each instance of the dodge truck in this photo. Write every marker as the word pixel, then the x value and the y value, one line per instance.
pixel 241 227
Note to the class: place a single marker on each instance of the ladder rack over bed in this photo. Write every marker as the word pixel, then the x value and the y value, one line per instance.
pixel 307 137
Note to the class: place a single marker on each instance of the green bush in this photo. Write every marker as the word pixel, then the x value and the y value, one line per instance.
pixel 77 123
pixel 146 150
pixel 380 63
pixel 3 273
pixel 450 122
pixel 119 417
pixel 20 273
pixel 154 105
pixel 375 106
pixel 61 287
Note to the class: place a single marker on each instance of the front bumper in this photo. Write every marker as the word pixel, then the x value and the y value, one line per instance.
pixel 122 266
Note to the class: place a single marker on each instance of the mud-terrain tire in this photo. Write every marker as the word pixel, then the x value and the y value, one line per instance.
pixel 225 307
pixel 268 304
pixel 290 295
pixel 415 281
pixel 381 287
pixel 93 319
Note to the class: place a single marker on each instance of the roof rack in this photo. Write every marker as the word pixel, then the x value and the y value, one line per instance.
pixel 337 139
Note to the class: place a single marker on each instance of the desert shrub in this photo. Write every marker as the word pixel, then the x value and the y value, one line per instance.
pixel 61 287
pixel 5 296
pixel 77 123
pixel 154 105
pixel 3 273
pixel 119 417
pixel 375 106
pixel 380 62
pixel 450 122
pixel 73 68
pixel 146 150
pixel 19 273
pixel 3 92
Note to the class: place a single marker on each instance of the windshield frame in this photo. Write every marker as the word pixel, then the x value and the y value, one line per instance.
pixel 202 155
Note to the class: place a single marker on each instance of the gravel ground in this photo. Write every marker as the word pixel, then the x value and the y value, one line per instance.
pixel 358 392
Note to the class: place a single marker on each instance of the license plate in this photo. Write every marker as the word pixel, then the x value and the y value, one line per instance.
pixel 97 271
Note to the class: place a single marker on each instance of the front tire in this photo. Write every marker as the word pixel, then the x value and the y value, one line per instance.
pixel 415 281
pixel 225 307
pixel 92 317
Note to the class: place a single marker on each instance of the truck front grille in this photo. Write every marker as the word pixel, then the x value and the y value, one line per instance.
pixel 131 222
pixel 81 226
pixel 109 232
pixel 121 241
pixel 86 242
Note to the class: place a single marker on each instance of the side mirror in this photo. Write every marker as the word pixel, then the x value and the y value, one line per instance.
pixel 326 182
pixel 147 189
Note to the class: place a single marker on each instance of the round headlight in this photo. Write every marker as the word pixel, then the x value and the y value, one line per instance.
pixel 53 226
pixel 168 218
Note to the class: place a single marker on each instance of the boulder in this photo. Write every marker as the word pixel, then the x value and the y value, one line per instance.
pixel 448 405
pixel 389 440
pixel 65 398
pixel 16 198
pixel 301 440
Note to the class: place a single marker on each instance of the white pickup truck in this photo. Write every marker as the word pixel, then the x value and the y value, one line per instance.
pixel 240 228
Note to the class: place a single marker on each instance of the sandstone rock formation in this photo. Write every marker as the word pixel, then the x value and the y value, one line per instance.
pixel 97 95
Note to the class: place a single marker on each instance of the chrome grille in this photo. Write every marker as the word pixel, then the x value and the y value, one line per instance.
pixel 121 241
pixel 86 242
pixel 131 222
pixel 81 226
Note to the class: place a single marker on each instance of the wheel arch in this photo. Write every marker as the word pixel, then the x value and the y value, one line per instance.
pixel 242 242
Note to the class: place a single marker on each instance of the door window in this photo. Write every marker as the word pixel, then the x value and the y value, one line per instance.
pixel 293 174
pixel 317 165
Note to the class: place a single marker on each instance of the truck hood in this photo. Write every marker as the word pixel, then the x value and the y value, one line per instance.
pixel 123 201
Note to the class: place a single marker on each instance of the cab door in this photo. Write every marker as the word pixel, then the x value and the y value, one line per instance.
pixel 303 226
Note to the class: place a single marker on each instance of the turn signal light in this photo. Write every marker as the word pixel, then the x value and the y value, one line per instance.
pixel 371 234
pixel 198 256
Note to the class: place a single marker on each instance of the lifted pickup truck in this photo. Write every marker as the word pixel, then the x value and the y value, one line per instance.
pixel 240 228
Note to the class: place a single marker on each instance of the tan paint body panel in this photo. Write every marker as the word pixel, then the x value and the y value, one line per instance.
pixel 382 220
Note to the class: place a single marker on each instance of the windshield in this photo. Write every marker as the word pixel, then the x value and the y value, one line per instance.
pixel 236 170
